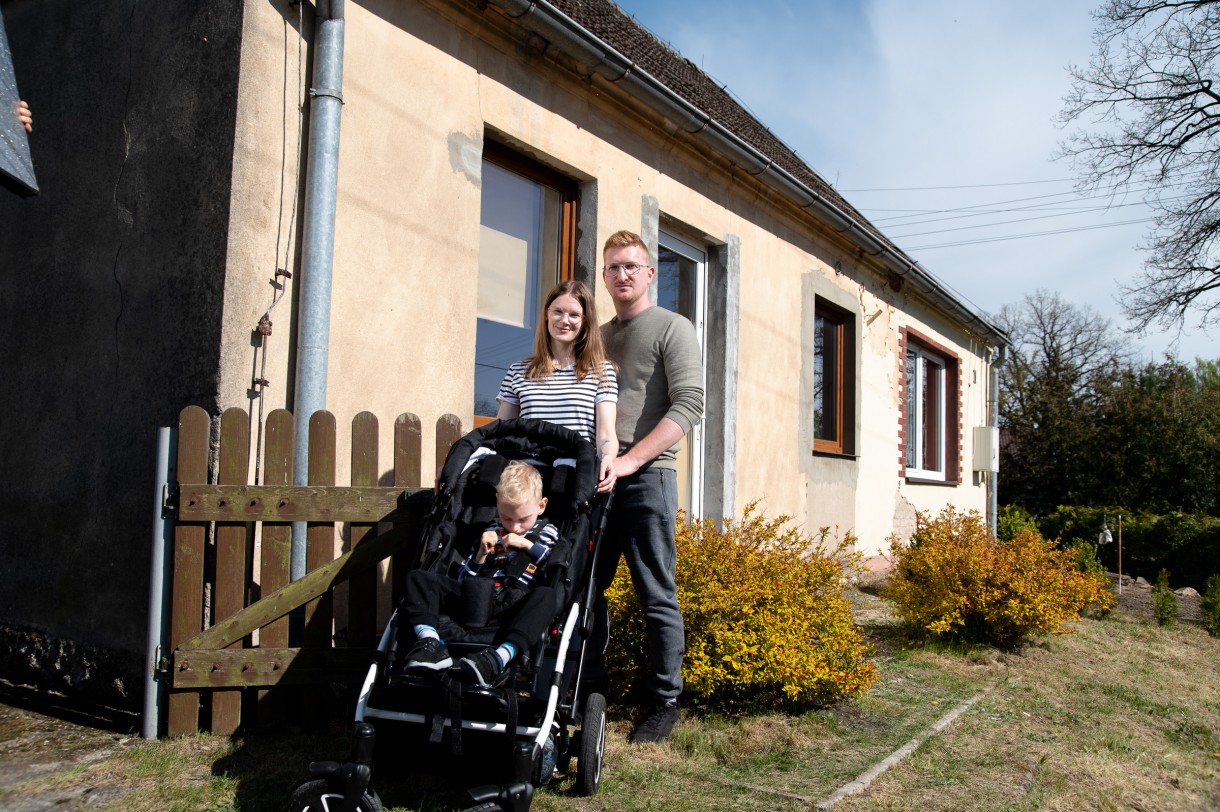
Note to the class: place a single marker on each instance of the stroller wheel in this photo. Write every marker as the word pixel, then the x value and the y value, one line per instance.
pixel 326 795
pixel 592 745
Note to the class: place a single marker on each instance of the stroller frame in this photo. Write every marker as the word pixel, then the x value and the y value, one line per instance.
pixel 569 726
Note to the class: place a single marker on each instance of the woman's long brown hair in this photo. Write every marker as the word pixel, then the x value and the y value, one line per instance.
pixel 590 353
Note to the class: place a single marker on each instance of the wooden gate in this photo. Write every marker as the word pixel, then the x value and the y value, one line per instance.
pixel 233 665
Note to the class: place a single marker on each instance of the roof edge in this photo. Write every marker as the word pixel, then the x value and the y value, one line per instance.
pixel 577 42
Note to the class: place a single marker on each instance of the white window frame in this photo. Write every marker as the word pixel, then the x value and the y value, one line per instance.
pixel 916 413
pixel 698 255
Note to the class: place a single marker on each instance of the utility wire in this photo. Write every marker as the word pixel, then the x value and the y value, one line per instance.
pixel 1024 236
pixel 991 185
pixel 1066 212
pixel 999 222
pixel 964 186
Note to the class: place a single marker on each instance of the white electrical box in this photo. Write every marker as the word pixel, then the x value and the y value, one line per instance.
pixel 986 448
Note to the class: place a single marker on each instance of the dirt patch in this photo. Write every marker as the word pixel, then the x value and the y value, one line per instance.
pixel 1136 599
pixel 43 736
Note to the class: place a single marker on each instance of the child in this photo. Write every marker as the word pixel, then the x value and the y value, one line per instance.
pixel 509 555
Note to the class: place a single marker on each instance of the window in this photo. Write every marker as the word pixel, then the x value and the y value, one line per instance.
pixel 681 279
pixel 829 340
pixel 526 245
pixel 930 424
pixel 834 378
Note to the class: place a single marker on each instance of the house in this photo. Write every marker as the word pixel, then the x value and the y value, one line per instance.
pixel 479 151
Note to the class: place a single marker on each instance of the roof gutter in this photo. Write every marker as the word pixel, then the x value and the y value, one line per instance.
pixel 577 42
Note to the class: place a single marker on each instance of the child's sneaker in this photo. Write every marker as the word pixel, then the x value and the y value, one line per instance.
pixel 482 668
pixel 428 653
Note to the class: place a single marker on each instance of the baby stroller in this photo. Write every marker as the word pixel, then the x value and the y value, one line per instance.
pixel 511 737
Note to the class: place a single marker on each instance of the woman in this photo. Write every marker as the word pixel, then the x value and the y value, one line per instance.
pixel 568 380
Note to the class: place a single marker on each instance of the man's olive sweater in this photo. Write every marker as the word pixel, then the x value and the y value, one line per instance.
pixel 660 374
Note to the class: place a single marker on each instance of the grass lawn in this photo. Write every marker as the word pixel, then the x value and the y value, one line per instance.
pixel 1119 715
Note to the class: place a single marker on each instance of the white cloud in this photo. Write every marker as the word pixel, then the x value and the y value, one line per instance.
pixel 893 94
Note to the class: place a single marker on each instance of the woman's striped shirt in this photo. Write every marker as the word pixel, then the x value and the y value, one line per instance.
pixel 560 397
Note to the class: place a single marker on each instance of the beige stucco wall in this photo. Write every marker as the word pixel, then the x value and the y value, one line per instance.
pixel 420 92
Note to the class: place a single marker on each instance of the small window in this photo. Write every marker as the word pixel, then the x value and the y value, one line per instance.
pixel 930 412
pixel 833 379
pixel 827 381
pixel 526 246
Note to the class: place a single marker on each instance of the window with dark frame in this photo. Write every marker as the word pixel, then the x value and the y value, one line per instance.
pixel 829 378
pixel 930 411
pixel 527 243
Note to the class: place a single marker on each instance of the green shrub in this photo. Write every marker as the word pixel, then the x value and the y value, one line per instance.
pixel 1013 519
pixel 956 580
pixel 1210 606
pixel 1087 560
pixel 1184 543
pixel 766 616
pixel 1164 602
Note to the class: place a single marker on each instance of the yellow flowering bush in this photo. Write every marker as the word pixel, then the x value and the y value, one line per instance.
pixel 955 579
pixel 765 611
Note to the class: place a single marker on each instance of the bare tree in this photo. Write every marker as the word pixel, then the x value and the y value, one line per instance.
pixel 1149 107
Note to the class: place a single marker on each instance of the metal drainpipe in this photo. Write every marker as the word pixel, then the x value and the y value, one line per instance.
pixel 159 575
pixel 993 477
pixel 318 245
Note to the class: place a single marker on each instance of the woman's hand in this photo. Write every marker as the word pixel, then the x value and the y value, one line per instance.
pixel 25 116
pixel 606 476
pixel 607 446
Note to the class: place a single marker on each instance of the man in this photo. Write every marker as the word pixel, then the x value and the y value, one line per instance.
pixel 660 399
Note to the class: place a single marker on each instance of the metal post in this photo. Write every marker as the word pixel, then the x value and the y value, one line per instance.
pixel 167 475
pixel 317 245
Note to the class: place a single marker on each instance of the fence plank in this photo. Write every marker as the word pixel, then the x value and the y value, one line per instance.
pixel 231 555
pixel 408 455
pixel 448 432
pixel 224 668
pixel 319 552
pixel 362 593
pixel 194 436
pixel 288 503
pixel 276 555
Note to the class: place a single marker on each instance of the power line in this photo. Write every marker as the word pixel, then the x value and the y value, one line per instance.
pixel 1068 212
pixel 1000 185
pixel 1006 203
pixel 997 223
pixel 964 186
pixel 1024 236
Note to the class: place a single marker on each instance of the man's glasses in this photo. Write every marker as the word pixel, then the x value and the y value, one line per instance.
pixel 629 268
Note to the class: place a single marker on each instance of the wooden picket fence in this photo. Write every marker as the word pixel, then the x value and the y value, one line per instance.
pixel 236 667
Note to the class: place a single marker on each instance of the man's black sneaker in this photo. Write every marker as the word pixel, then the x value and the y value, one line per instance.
pixel 482 668
pixel 659 725
pixel 428 653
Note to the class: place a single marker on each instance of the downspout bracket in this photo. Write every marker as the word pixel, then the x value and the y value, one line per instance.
pixel 327 92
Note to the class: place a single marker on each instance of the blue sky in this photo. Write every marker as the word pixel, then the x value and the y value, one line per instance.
pixel 895 95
